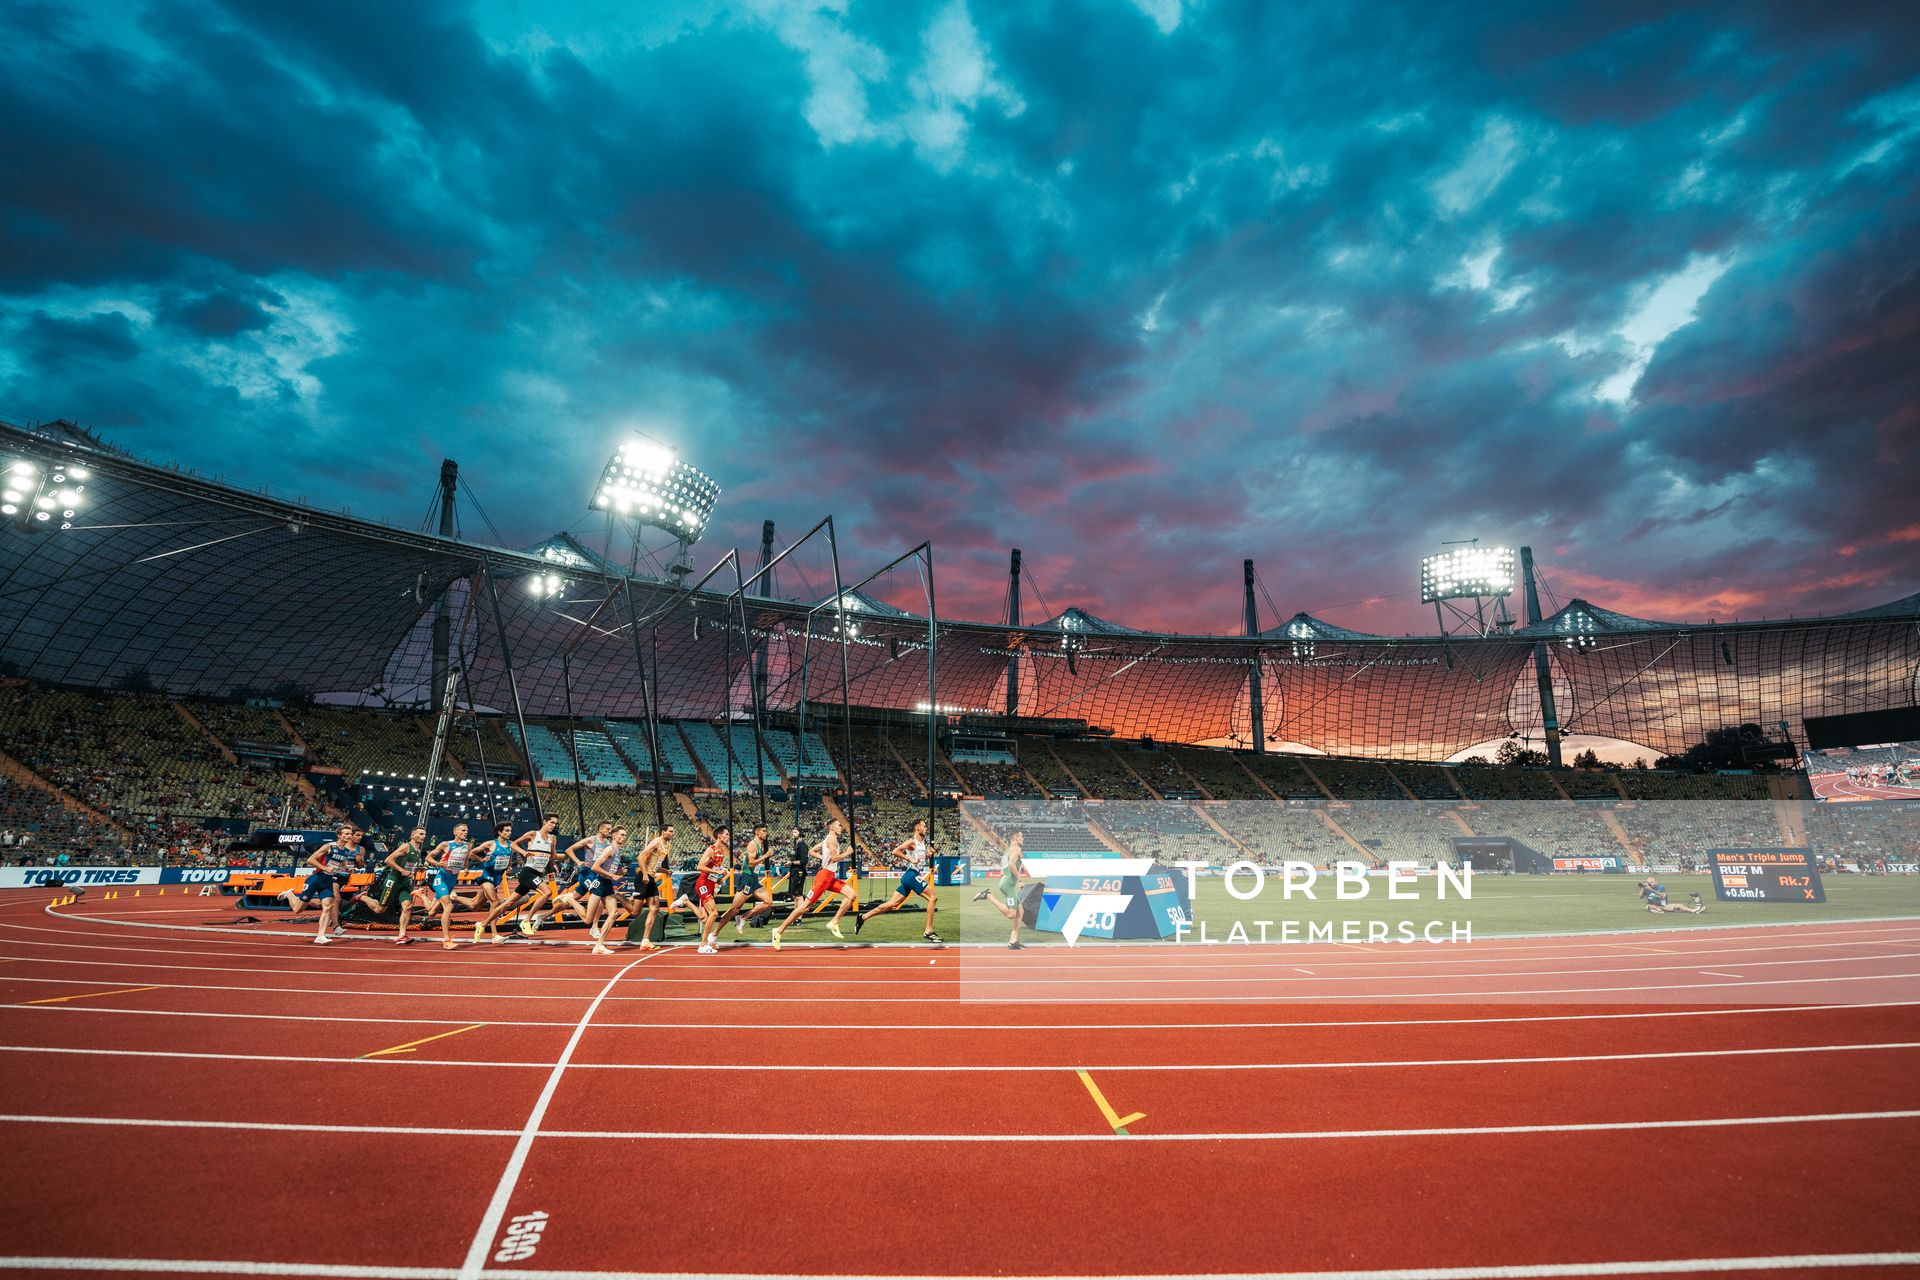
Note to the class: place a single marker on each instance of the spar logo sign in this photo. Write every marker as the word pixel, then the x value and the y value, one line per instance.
pixel 1095 905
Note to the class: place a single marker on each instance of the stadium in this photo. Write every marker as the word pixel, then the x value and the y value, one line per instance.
pixel 187 723
pixel 836 640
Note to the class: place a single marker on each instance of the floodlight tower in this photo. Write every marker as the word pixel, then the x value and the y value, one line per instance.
pixel 41 497
pixel 645 486
pixel 1470 585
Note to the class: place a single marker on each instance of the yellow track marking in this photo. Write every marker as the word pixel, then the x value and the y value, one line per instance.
pixel 90 995
pixel 410 1045
pixel 1119 1122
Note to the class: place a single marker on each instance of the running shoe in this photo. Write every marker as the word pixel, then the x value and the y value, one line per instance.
pixel 339 931
pixel 480 932
pixel 859 923
pixel 322 940
pixel 982 896
pixel 1016 946
pixel 834 929
pixel 602 949
pixel 774 938
pixel 708 949
pixel 403 941
pixel 931 936
pixel 739 926
pixel 529 926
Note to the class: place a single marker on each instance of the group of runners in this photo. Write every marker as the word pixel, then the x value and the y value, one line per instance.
pixel 603 879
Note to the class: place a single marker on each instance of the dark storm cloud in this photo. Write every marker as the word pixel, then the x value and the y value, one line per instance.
pixel 46 339
pixel 218 313
pixel 1323 285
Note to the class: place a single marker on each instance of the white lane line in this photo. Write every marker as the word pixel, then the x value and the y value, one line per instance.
pixel 1488 1271
pixel 483 1237
pixel 1689 933
pixel 917 1028
pixel 1716 990
pixel 983 1068
pixel 1194 956
pixel 971 976
pixel 951 991
pixel 228 1267
pixel 259 1126
pixel 397 977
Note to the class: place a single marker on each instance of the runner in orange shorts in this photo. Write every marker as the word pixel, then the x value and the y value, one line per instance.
pixel 831 878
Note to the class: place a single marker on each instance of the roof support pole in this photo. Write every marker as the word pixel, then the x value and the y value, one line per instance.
pixel 800 732
pixel 647 702
pixel 513 687
pixel 573 741
pixel 1256 711
pixel 1013 659
pixel 726 702
pixel 846 693
pixel 442 727
pixel 933 704
pixel 766 589
pixel 442 630
pixel 1542 668
pixel 479 746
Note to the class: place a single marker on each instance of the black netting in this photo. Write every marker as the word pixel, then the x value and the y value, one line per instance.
pixel 188 587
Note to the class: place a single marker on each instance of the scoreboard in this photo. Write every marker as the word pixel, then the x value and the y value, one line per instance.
pixel 1157 905
pixel 1765 875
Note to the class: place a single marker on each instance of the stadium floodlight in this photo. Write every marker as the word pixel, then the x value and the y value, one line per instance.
pixel 1468 573
pixel 550 586
pixel 37 499
pixel 647 483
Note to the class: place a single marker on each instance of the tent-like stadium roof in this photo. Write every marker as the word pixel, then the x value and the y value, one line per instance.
pixel 172 581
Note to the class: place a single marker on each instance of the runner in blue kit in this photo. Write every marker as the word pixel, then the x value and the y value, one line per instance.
pixel 447 860
pixel 535 849
pixel 581 854
pixel 602 884
pixel 916 876
pixel 490 860
pixel 331 864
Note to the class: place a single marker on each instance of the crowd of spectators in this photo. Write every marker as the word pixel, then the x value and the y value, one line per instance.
pixel 1284 775
pixel 1427 781
pixel 1164 830
pixel 1046 770
pixel 1161 771
pixel 1356 779
pixel 1275 833
pixel 1555 828
pixel 1218 772
pixel 1401 830
pixel 161 773
pixel 1668 832
pixel 1100 771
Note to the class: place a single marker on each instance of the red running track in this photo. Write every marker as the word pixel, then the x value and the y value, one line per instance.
pixel 199 1100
